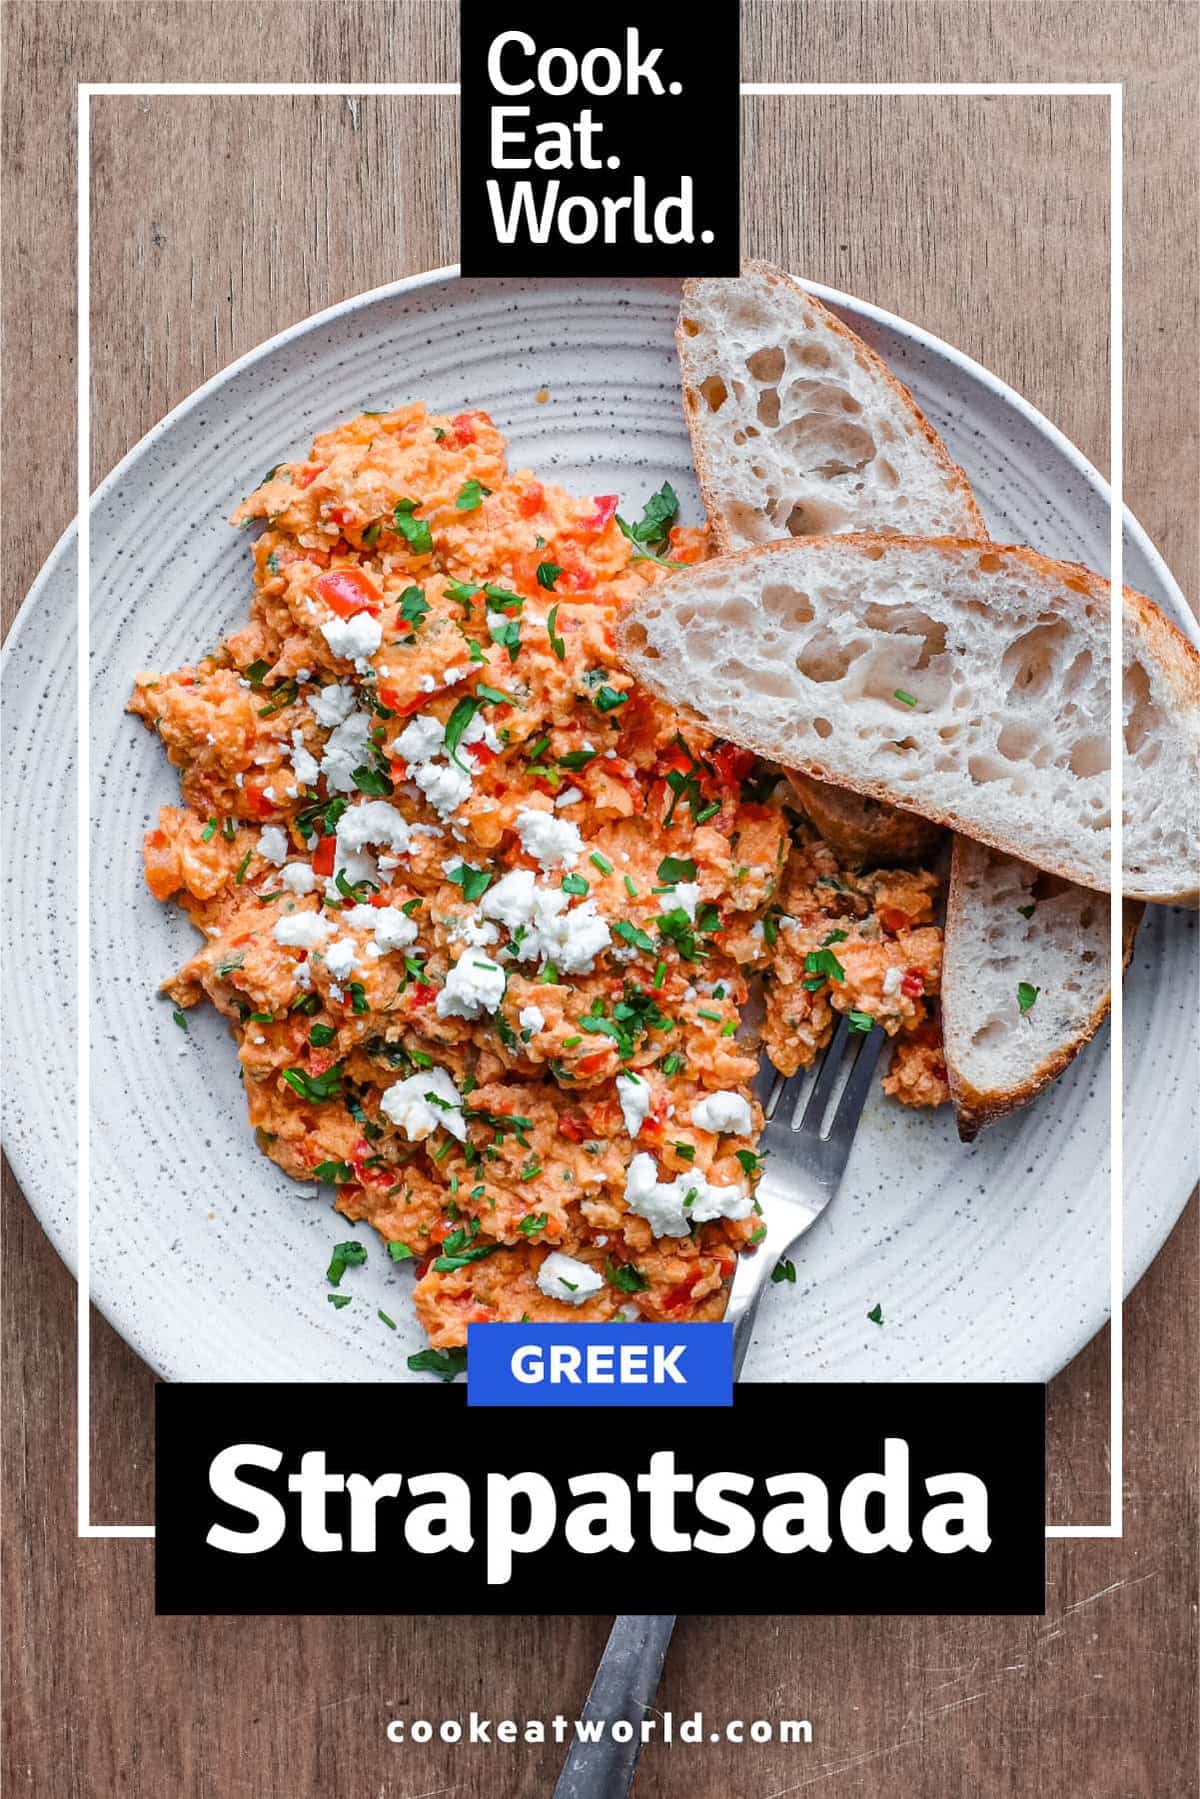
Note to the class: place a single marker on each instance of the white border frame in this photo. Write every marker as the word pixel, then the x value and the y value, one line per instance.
pixel 85 91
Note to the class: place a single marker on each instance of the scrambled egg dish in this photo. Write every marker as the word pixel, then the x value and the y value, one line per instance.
pixel 481 913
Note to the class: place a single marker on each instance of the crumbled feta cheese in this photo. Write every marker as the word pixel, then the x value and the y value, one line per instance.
pixel 571 937
pixel 654 1200
pixel 510 902
pixel 473 986
pixel 303 675
pixel 303 975
pixel 670 1207
pixel 393 928
pixel 467 928
pixel 568 797
pixel 273 845
pixel 723 1111
pixel 341 958
pixel 551 841
pixel 301 930
pixel 298 877
pixel 421 739
pixel 892 980
pixel 427 1099
pixel 305 765
pixel 374 821
pixel 355 638
pixel 359 918
pixel 346 751
pixel 567 1278
pixel 634 1095
pixel 444 785
pixel 452 676
pixel 685 894
pixel 531 1019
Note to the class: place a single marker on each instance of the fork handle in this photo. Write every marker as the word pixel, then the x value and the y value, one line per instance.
pixel 749 1284
pixel 625 1683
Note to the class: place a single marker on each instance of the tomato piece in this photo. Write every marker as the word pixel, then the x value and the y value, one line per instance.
pixel 422 995
pixel 913 984
pixel 465 424
pixel 576 576
pixel 892 919
pixel 347 591
pixel 532 500
pixel 732 763
pixel 594 1063
pixel 322 860
pixel 606 506
pixel 680 1295
pixel 482 753
pixel 306 476
pixel 258 802
pixel 572 1127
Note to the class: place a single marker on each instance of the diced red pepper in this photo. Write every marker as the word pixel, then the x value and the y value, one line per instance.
pixel 482 753
pixel 422 995
pixel 572 1127
pixel 606 506
pixel 732 763
pixel 464 425
pixel 306 476
pixel 594 1063
pixel 913 984
pixel 680 1295
pixel 323 856
pixel 532 500
pixel 258 802
pixel 892 919
pixel 347 591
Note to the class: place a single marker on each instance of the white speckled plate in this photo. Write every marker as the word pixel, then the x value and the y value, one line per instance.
pixel 990 1262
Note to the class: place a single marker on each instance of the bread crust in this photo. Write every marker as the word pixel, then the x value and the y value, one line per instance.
pixel 1176 655
pixel 693 403
pixel 976 1108
pixel 866 830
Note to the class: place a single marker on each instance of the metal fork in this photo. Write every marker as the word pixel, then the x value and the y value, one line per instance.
pixel 811 1119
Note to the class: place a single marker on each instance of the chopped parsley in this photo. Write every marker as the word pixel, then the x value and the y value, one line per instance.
pixel 547 575
pixel 784 1271
pixel 471 496
pixel 316 1088
pixel 652 533
pixel 676 868
pixel 414 531
pixel 413 606
pixel 345 1255
pixel 473 881
pixel 556 642
pixel 447 1364
pixel 607 699
pixel 456 726
pixel 1026 996
pixel 859 1021
pixel 876 1314
pixel 625 1277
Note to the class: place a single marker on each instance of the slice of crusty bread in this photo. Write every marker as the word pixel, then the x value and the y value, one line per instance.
pixel 865 830
pixel 1007 927
pixel 799 428
pixel 965 681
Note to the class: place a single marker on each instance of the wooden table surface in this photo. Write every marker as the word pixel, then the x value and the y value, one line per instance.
pixel 216 222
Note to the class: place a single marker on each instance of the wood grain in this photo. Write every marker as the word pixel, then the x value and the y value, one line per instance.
pixel 216 223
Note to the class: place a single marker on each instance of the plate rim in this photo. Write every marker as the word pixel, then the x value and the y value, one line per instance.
pixel 24 1169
